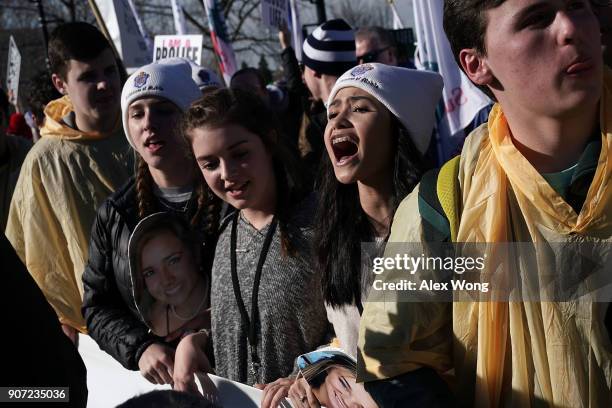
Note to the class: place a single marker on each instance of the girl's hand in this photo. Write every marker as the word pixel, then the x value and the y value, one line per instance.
pixel 301 395
pixel 275 392
pixel 189 359
pixel 156 364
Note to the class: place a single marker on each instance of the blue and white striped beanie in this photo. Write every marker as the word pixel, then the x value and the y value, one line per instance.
pixel 330 49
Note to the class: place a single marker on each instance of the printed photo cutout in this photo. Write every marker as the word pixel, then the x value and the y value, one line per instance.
pixel 169 287
pixel 332 374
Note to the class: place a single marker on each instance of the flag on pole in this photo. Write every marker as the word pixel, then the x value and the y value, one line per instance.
pixel 296 29
pixel 462 99
pixel 221 44
pixel 179 17
pixel 126 31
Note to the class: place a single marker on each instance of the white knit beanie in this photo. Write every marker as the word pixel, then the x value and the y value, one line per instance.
pixel 172 82
pixel 411 95
pixel 201 76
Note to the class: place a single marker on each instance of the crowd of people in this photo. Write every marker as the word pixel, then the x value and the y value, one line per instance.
pixel 188 227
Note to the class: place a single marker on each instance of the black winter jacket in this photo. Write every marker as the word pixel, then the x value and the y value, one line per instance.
pixel 108 303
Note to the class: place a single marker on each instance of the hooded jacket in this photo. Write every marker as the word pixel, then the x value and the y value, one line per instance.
pixel 63 180
pixel 509 353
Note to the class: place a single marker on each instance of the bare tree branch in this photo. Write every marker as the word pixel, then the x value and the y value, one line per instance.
pixel 196 23
pixel 241 22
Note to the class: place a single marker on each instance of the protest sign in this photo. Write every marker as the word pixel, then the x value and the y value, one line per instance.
pixel 296 29
pixel 183 46
pixel 275 13
pixel 126 31
pixel 12 71
pixel 104 373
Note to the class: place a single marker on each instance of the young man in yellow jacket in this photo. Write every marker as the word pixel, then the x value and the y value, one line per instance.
pixel 538 172
pixel 81 158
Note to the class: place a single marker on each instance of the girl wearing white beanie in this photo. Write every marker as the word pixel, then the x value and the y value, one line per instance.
pixel 380 122
pixel 152 102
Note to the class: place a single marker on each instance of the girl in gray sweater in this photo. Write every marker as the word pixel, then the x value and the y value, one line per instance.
pixel 266 298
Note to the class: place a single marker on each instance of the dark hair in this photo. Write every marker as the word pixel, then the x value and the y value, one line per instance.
pixel 174 225
pixel 342 225
pixel 41 92
pixel 167 399
pixel 383 36
pixel 253 71
pixel 316 373
pixel 465 24
pixel 79 41
pixel 224 107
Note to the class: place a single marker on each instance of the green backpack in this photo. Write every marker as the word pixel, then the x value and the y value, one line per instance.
pixel 439 202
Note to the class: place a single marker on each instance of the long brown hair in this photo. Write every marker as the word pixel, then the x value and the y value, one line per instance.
pixel 224 107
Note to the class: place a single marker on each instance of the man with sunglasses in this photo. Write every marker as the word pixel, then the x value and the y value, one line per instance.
pixel 375 44
pixel 328 52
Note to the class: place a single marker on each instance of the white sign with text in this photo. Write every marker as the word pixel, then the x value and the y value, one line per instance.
pixel 183 46
pixel 276 13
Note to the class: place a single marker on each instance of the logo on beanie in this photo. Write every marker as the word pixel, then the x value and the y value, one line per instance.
pixel 141 79
pixel 361 69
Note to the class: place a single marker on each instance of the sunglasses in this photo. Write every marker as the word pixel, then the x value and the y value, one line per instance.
pixel 371 56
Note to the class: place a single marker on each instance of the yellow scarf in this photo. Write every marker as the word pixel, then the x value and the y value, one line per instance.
pixel 520 353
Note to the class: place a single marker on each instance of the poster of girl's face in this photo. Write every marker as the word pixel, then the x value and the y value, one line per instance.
pixel 331 375
pixel 169 288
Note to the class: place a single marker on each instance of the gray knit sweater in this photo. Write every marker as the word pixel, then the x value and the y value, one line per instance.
pixel 292 313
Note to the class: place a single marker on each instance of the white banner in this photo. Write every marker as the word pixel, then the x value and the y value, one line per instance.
pixel 275 13
pixel 126 32
pixel 296 29
pixel 462 99
pixel 13 70
pixel 110 384
pixel 183 46
pixel 221 42
pixel 179 17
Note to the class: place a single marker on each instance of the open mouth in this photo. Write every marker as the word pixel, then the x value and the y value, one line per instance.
pixel 153 145
pixel 344 148
pixel 237 190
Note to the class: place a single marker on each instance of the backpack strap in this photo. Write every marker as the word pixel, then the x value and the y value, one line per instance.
pixel 439 202
pixel 448 194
